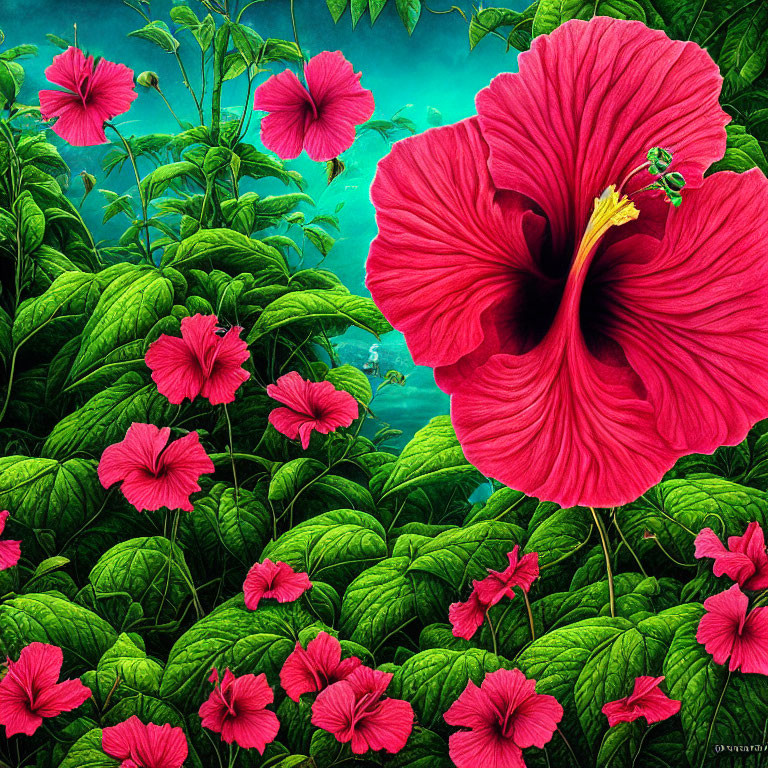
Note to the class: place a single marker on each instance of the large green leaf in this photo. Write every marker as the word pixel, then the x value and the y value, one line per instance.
pixel 432 680
pixel 86 752
pixel 550 14
pixel 334 547
pixel 157 32
pixel 559 535
pixel 46 618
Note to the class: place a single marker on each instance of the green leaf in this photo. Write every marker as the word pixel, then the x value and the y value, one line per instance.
pixel 157 32
pixel 248 642
pixel 434 456
pixel 409 12
pixel 319 238
pixel 559 535
pixel 334 547
pixel 375 7
pixel 379 603
pixel 156 182
pixel 105 418
pixel 352 380
pixel 86 752
pixel 742 152
pixel 308 308
pixel 46 618
pixel 550 14
pixel 489 20
pixel 337 8
pixel 292 476
pixel 31 221
pixel 432 680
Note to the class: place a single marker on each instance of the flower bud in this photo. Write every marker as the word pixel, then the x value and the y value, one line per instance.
pixel 148 79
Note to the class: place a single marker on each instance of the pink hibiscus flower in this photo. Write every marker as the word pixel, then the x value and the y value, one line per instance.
pixel 10 551
pixel 587 340
pixel 277 580
pixel 727 631
pixel 354 710
pixel 30 690
pixel 646 700
pixel 317 667
pixel 237 710
pixel 504 716
pixel 96 93
pixel 521 572
pixel 320 117
pixel 467 617
pixel 745 561
pixel 145 746
pixel 155 473
pixel 310 405
pixel 201 362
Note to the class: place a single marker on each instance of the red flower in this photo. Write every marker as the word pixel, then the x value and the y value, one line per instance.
pixel 467 617
pixel 320 118
pixel 145 746
pixel 201 362
pixel 646 700
pixel 353 710
pixel 97 93
pixel 276 580
pixel 745 561
pixel 311 406
pixel 727 631
pixel 153 472
pixel 30 690
pixel 237 710
pixel 580 365
pixel 10 551
pixel 317 667
pixel 505 715
pixel 520 573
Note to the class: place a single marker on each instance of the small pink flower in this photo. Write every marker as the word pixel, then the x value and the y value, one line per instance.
pixel 96 93
pixel 354 710
pixel 320 117
pixel 467 617
pixel 201 362
pixel 504 716
pixel 145 746
pixel 10 551
pixel 317 667
pixel 727 631
pixel 745 561
pixel 646 700
pixel 30 690
pixel 237 710
pixel 521 573
pixel 276 580
pixel 310 406
pixel 153 472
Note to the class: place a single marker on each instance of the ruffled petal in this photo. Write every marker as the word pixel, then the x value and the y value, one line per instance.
pixel 69 69
pixel 587 104
pixel 10 553
pixel 183 461
pixel 290 107
pixel 484 748
pixel 227 373
pixel 473 709
pixel 174 368
pixel 76 124
pixel 387 727
pixel 720 626
pixel 111 89
pixel 750 651
pixel 689 313
pixel 62 697
pixel 451 256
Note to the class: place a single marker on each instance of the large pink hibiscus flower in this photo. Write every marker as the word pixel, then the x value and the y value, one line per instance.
pixel 97 92
pixel 588 340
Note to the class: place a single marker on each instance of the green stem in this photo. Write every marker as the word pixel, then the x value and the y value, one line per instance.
pixel 142 197
pixel 10 384
pixel 295 31
pixel 530 615
pixel 188 85
pixel 233 750
pixel 231 451
pixel 626 544
pixel 607 553
pixel 492 630
pixel 219 49
pixel 168 104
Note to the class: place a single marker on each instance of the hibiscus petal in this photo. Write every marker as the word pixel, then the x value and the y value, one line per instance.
pixel 300 674
pixel 484 748
pixel 69 68
pixel 4 515
pixel 227 373
pixel 183 461
pixel 117 740
pixel 252 729
pixel 449 253
pixel 690 315
pixel 111 88
pixel 467 617
pixel 536 719
pixel 719 627
pixel 473 709
pixel 388 727
pixel 139 449
pixel 61 697
pixel 587 104
pixel 10 553
pixel 333 710
pixel 76 124
pixel 160 746
pixel 750 652
pixel 291 390
pixel 289 105
pixel 657 706
pixel 175 369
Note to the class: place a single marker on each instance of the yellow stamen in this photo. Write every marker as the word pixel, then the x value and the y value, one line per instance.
pixel 610 211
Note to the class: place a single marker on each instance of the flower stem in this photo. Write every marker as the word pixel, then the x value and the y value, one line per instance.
pixel 295 32
pixel 492 631
pixel 607 553
pixel 170 108
pixel 142 198
pixel 530 615
pixel 231 451
pixel 626 544
pixel 233 750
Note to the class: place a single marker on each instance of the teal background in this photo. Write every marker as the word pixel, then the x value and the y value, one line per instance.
pixel 434 68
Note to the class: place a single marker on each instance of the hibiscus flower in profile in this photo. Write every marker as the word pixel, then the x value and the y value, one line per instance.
pixel 96 92
pixel 467 617
pixel 589 333
pixel 237 710
pixel 745 560
pixel 201 362
pixel 317 667
pixel 646 700
pixel 310 405
pixel 319 117
pixel 10 550
pixel 355 711
pixel 145 746
pixel 504 716
pixel 153 472
pixel 275 580
pixel 30 691
pixel 731 633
